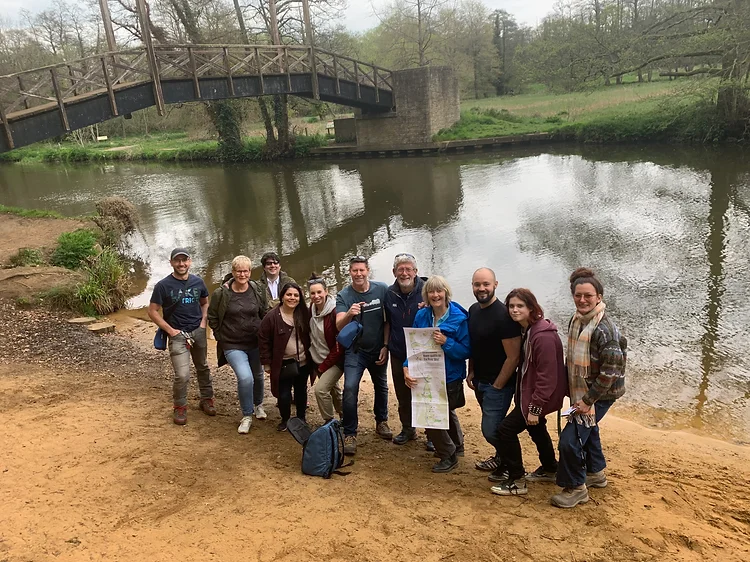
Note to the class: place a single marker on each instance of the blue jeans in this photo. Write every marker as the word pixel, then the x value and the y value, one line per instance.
pixel 244 363
pixel 354 367
pixel 495 405
pixel 581 450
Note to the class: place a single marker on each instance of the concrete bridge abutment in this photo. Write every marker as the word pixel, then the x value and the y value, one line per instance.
pixel 426 101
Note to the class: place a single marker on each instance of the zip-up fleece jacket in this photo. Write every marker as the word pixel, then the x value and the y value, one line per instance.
pixel 217 308
pixel 543 382
pixel 400 311
pixel 609 353
pixel 335 351
pixel 457 348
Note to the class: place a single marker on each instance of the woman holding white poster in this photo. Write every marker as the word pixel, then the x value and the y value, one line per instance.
pixel 451 323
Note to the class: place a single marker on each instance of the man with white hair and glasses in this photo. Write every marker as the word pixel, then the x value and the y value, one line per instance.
pixel 401 305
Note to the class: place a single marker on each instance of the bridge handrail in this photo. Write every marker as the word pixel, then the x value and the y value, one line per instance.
pixel 67 63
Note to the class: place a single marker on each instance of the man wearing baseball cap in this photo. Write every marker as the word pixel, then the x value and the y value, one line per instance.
pixel 183 300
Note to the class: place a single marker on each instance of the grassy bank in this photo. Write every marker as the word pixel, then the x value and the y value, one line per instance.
pixel 30 213
pixel 92 251
pixel 660 111
pixel 164 147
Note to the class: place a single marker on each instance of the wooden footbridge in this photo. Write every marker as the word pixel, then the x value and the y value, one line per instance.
pixel 54 100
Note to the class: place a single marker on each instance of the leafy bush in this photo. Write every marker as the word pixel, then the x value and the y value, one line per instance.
pixel 73 248
pixel 26 257
pixel 106 288
pixel 312 119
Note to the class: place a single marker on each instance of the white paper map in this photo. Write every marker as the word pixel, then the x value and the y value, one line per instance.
pixel 429 400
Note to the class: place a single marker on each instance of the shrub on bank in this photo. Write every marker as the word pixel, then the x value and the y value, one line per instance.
pixel 106 288
pixel 74 247
pixel 116 216
pixel 26 257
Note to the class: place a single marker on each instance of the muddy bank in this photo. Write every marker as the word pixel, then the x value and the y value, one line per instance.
pixel 87 433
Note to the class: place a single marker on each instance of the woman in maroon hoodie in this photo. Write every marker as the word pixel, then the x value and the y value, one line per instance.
pixel 327 354
pixel 284 340
pixel 541 386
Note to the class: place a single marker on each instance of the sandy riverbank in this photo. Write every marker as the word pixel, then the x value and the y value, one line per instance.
pixel 94 469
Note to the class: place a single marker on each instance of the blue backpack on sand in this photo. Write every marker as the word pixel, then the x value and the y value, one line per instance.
pixel 322 449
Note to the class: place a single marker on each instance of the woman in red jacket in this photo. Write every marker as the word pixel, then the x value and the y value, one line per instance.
pixel 284 340
pixel 541 386
pixel 327 354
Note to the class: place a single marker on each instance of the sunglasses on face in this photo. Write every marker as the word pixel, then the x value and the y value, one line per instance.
pixel 271 262
pixel 399 256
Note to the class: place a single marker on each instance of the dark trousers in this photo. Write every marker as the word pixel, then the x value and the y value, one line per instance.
pixel 446 441
pixel 403 393
pixel 510 447
pixel 299 383
pixel 581 450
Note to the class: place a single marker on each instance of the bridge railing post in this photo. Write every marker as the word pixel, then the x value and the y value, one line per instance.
pixel 22 90
pixel 288 72
pixel 60 101
pixel 194 72
pixel 375 82
pixel 356 79
pixel 228 67
pixel 336 74
pixel 110 90
pixel 6 128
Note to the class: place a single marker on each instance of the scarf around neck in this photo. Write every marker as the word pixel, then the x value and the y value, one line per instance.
pixel 578 358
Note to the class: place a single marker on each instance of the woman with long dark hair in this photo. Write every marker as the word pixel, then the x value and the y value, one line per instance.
pixel 285 351
pixel 595 358
pixel 541 386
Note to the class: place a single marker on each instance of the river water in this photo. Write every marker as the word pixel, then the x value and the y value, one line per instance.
pixel 666 229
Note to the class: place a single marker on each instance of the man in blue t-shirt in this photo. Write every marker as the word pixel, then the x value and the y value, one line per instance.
pixel 183 300
pixel 363 301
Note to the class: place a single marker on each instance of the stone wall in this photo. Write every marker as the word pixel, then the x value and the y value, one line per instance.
pixel 345 129
pixel 427 100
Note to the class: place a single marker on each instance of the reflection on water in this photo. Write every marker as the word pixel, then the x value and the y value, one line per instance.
pixel 666 229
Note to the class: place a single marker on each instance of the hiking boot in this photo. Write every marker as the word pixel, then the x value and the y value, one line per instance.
pixel 180 415
pixel 541 475
pixel 429 445
pixel 350 445
pixel 383 430
pixel 570 497
pixel 207 405
pixel 511 488
pixel 446 465
pixel 260 413
pixel 281 426
pixel 500 474
pixel 487 465
pixel 245 424
pixel 596 480
pixel 405 436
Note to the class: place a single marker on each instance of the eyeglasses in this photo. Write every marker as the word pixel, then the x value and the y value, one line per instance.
pixel 358 259
pixel 584 296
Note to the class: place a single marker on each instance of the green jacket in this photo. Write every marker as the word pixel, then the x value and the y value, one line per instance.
pixel 217 308
pixel 283 280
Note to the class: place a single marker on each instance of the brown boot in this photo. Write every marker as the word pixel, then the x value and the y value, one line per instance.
pixel 207 405
pixel 180 415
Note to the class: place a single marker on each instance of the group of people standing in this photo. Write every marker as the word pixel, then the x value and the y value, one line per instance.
pixel 514 355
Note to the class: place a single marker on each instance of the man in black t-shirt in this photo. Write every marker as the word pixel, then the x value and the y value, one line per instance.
pixel 495 352
pixel 183 298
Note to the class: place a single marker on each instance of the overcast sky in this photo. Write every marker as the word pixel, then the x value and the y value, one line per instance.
pixel 358 16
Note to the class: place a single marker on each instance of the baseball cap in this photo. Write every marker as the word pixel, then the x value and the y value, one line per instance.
pixel 179 252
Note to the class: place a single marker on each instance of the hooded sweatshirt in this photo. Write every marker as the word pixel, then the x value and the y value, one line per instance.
pixel 543 383
pixel 325 351
pixel 456 348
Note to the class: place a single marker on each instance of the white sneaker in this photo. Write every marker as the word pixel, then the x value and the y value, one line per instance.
pixel 245 424
pixel 260 413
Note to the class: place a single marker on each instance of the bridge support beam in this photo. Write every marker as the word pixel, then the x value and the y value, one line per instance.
pixel 426 100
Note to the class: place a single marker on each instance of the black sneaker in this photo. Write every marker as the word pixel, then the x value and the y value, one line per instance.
pixel 405 436
pixel 281 426
pixel 511 488
pixel 500 474
pixel 541 475
pixel 429 445
pixel 487 465
pixel 446 465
